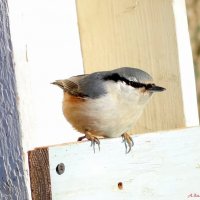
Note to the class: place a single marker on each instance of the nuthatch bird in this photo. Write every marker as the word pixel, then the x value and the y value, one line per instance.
pixel 107 103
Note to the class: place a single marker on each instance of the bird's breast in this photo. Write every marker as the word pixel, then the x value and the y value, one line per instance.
pixel 109 115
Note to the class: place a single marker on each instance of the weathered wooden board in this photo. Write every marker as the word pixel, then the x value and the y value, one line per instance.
pixel 12 174
pixel 39 174
pixel 144 34
pixel 163 165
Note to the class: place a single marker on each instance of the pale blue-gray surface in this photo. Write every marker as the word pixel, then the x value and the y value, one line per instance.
pixel 12 181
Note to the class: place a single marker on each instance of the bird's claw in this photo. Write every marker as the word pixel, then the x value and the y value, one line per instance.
pixel 128 141
pixel 94 140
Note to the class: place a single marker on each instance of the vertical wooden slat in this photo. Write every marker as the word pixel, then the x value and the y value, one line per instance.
pixel 141 34
pixel 39 174
pixel 186 64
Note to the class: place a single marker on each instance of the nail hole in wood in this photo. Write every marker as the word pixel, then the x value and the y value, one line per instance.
pixel 120 185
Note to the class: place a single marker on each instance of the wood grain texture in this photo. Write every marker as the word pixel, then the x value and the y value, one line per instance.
pixel 12 175
pixel 39 174
pixel 139 33
pixel 164 165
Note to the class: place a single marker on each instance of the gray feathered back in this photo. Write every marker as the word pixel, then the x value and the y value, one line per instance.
pixel 92 85
pixel 133 74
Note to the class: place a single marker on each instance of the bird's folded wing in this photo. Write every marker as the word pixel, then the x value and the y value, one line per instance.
pixel 72 86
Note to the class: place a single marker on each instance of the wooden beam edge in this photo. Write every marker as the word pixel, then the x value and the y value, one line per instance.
pixel 40 174
pixel 109 139
pixel 187 74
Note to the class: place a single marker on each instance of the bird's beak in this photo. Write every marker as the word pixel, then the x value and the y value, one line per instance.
pixel 156 88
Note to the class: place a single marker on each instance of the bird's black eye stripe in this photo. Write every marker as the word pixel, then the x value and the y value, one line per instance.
pixel 149 86
pixel 116 77
pixel 113 77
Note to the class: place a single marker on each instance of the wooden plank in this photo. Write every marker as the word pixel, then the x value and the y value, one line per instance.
pixel 164 165
pixel 39 174
pixel 142 34
pixel 46 47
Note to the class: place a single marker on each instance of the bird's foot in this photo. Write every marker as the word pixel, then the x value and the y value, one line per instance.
pixel 128 141
pixel 81 138
pixel 94 140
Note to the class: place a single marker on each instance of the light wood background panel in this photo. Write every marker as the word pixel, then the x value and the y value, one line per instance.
pixel 142 34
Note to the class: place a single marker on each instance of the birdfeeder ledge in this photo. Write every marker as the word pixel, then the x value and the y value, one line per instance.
pixel 163 165
pixel 164 162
